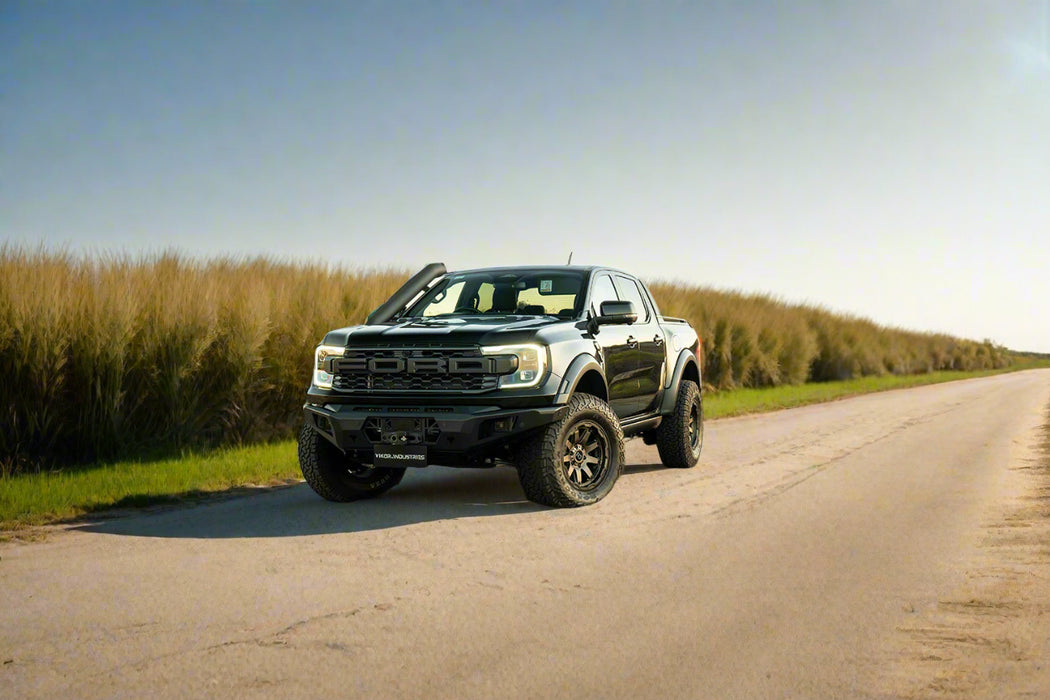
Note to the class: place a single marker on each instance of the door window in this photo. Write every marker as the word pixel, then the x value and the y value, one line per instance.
pixel 602 290
pixel 629 291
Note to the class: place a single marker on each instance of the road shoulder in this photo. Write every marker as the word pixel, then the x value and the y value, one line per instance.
pixel 990 636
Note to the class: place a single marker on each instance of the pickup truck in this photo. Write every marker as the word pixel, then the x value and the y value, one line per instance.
pixel 548 369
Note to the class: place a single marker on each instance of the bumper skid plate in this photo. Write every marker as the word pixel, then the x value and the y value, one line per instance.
pixel 404 438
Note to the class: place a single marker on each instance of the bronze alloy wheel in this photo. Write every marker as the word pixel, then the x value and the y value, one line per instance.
pixel 576 460
pixel 586 458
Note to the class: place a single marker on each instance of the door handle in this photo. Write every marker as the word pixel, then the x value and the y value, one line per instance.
pixel 658 339
pixel 631 342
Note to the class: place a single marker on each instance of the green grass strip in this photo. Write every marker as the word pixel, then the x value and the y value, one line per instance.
pixel 48 497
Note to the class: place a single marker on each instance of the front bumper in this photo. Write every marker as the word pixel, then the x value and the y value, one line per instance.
pixel 455 435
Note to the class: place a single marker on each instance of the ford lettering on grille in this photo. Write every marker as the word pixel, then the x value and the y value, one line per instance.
pixel 418 369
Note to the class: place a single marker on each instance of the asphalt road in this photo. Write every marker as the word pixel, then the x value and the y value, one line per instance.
pixel 786 564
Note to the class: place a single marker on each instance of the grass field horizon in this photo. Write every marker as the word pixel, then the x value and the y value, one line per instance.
pixel 111 356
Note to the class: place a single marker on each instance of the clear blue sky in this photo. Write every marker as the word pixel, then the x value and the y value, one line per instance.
pixel 890 159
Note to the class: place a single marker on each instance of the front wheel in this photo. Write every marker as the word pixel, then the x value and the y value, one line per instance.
pixel 336 477
pixel 680 436
pixel 575 460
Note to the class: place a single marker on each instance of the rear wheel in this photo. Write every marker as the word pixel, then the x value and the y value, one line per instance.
pixel 576 460
pixel 336 477
pixel 680 436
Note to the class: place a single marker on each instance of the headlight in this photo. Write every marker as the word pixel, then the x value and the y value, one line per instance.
pixel 532 364
pixel 322 379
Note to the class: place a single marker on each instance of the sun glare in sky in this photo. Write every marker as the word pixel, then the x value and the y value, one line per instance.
pixel 1031 54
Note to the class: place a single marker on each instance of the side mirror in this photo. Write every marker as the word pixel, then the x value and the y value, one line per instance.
pixel 617 312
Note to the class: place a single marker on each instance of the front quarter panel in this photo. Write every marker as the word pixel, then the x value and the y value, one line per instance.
pixel 583 363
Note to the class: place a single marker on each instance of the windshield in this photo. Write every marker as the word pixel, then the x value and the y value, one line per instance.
pixel 524 293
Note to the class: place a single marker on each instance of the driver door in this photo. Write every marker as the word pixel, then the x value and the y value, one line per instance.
pixel 616 349
pixel 648 344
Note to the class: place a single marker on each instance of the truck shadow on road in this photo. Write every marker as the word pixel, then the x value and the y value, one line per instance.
pixel 436 493
pixel 433 494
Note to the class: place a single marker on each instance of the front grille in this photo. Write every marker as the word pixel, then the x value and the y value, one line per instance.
pixel 381 383
pixel 427 369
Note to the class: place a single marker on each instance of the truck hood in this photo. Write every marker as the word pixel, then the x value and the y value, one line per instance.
pixel 452 331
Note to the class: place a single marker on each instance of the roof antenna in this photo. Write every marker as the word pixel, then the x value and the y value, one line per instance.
pixel 570 258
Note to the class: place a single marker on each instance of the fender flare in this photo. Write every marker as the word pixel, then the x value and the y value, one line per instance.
pixel 685 358
pixel 577 368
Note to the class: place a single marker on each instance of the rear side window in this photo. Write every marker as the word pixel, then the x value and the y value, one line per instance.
pixel 629 291
pixel 602 290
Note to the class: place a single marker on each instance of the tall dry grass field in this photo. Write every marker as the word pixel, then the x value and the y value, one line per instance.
pixel 757 340
pixel 109 356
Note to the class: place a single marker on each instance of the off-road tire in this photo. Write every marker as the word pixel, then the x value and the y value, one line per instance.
pixel 546 466
pixel 679 446
pixel 336 477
